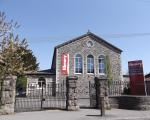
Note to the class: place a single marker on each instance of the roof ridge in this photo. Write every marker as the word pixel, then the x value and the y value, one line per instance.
pixel 88 34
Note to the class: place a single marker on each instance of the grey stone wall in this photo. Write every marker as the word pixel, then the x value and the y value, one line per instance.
pixel 79 47
pixel 72 94
pixel 102 92
pixel 130 102
pixel 8 95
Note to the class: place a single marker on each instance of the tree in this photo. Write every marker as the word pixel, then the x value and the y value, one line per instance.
pixel 16 56
pixel 13 51
pixel 21 85
pixel 6 27
pixel 11 54
pixel 30 61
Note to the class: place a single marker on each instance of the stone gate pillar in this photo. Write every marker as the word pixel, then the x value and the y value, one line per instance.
pixel 72 93
pixel 8 95
pixel 102 92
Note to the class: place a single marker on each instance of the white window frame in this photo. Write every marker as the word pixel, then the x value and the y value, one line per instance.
pixel 78 64
pixel 104 58
pixel 90 65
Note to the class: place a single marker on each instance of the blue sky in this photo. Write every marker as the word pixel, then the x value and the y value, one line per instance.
pixel 47 23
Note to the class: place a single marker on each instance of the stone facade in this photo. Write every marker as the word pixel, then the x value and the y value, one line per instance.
pixel 8 95
pixel 79 46
pixel 72 94
pixel 126 78
pixel 87 44
pixel 102 93
pixel 33 80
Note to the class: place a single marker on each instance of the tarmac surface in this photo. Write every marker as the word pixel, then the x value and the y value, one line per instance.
pixel 82 114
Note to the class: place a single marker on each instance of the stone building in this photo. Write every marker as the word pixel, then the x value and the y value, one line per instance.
pixel 37 80
pixel 126 78
pixel 84 57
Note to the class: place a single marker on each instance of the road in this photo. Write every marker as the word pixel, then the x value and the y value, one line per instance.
pixel 83 114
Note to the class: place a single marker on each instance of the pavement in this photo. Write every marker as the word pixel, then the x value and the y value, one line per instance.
pixel 82 114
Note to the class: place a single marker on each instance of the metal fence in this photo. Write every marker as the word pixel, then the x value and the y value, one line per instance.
pixel 119 88
pixel 86 95
pixel 38 98
pixel 147 84
pixel 123 88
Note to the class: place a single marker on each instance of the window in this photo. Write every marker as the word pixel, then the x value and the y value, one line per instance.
pixel 90 64
pixel 78 63
pixel 41 82
pixel 102 64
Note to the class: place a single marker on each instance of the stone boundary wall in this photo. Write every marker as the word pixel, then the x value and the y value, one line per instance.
pixel 130 102
pixel 102 92
pixel 8 95
pixel 72 93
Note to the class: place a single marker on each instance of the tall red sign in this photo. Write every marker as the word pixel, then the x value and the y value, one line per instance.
pixel 65 64
pixel 136 75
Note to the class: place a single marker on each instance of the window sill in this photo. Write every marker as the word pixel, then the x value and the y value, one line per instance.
pixel 77 73
pixel 102 74
pixel 90 74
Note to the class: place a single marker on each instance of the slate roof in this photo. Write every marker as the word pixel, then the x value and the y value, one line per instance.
pixel 41 72
pixel 147 75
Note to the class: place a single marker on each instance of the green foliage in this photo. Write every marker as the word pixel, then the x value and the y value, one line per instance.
pixel 15 57
pixel 14 52
pixel 21 84
pixel 11 54
pixel 108 71
pixel 30 62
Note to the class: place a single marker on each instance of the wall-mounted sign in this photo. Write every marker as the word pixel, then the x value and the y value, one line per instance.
pixel 136 75
pixel 65 64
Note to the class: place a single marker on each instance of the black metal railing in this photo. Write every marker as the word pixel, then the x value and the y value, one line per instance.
pixel 123 88
pixel 147 84
pixel 48 96
pixel 119 88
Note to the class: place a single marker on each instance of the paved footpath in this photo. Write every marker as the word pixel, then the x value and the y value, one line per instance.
pixel 83 114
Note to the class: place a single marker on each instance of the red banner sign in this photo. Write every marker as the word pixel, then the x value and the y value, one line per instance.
pixel 65 64
pixel 136 75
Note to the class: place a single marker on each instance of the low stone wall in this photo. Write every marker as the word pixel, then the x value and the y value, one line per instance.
pixel 130 102
pixel 8 95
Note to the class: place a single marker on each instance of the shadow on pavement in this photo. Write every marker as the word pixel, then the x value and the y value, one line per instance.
pixel 108 116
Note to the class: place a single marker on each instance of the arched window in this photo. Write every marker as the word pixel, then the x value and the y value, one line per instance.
pixel 102 64
pixel 78 63
pixel 41 82
pixel 90 64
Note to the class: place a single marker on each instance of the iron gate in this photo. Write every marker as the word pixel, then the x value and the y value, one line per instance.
pixel 87 95
pixel 48 96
